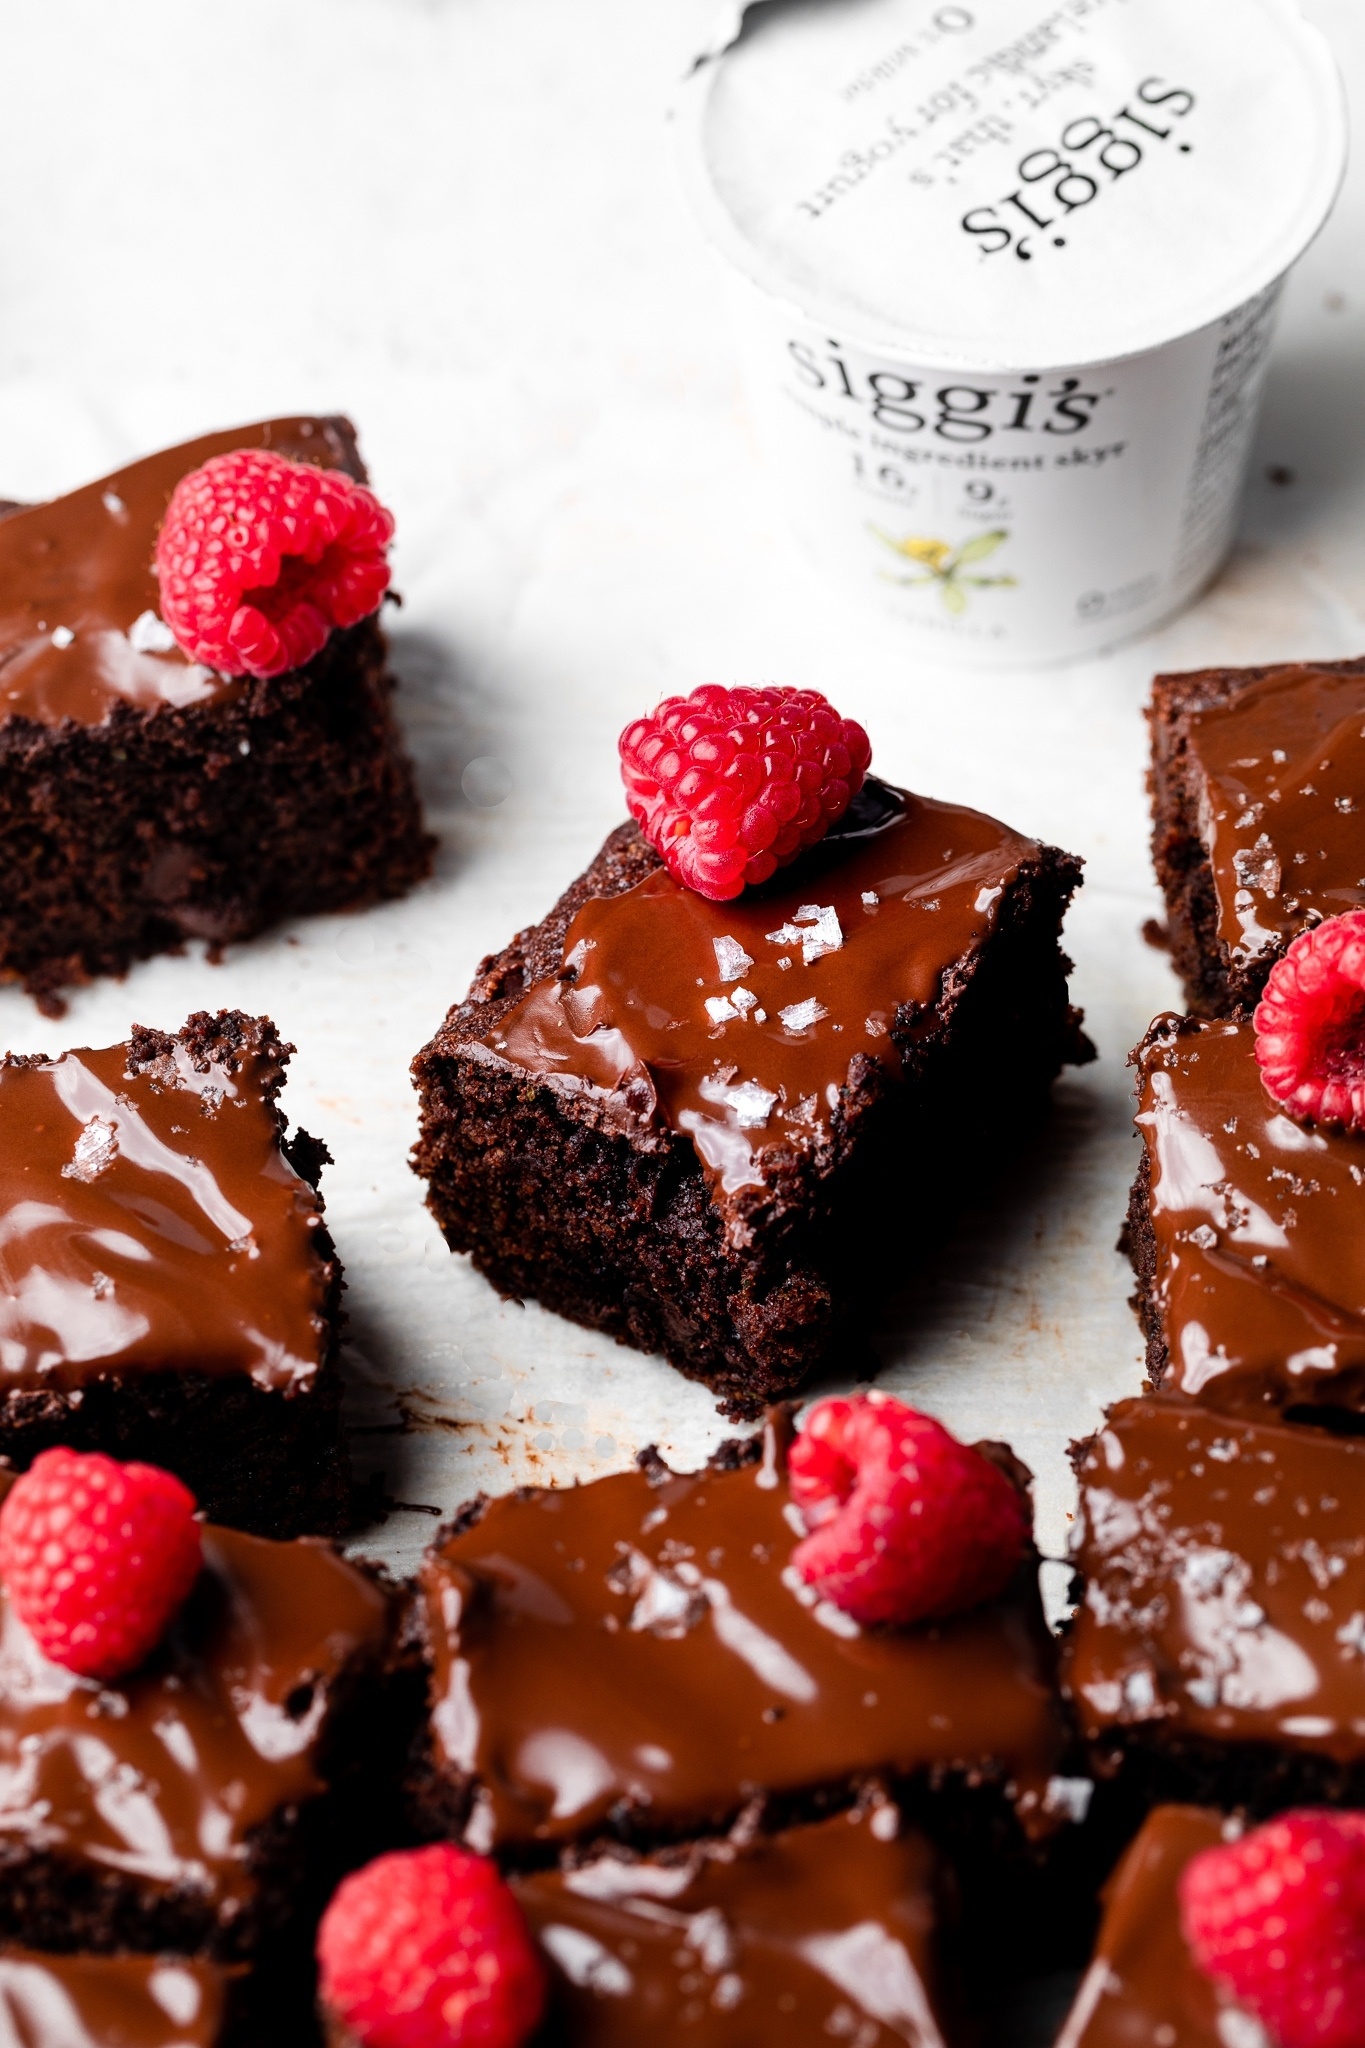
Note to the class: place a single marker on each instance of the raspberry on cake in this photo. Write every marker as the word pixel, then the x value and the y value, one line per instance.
pixel 204 1803
pixel 260 559
pixel 711 1127
pixel 637 1658
pixel 202 756
pixel 730 785
pixel 168 1290
pixel 428 1948
pixel 1144 1985
pixel 1310 1025
pixel 96 1557
pixel 53 2001
pixel 1246 1228
pixel 1277 1920
pixel 1258 816
pixel 1217 1649
pixel 905 1522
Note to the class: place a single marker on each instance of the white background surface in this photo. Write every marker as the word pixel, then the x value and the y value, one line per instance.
pixel 457 220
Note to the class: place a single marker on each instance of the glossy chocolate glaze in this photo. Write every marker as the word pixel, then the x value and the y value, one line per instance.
pixel 109 2002
pixel 1281 777
pixel 821 1933
pixel 911 894
pixel 1224 1572
pixel 162 1778
pixel 1143 1988
pixel 633 1646
pixel 149 1221
pixel 1259 1226
pixel 82 565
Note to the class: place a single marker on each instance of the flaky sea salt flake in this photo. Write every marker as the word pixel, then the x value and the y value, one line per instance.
pixel 721 1010
pixel 751 1104
pixel 62 636
pixel 731 958
pixel 149 634
pixel 801 1016
pixel 743 1000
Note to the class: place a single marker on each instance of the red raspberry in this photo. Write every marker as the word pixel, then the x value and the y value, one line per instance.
pixel 259 558
pixel 729 785
pixel 906 1523
pixel 427 1948
pixel 1279 1919
pixel 1310 1024
pixel 96 1557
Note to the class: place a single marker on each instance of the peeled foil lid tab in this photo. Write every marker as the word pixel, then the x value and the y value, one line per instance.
pixel 1003 185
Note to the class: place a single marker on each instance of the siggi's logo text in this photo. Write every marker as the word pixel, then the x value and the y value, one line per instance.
pixel 958 412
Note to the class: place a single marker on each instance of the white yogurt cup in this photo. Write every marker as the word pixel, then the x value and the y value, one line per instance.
pixel 1008 273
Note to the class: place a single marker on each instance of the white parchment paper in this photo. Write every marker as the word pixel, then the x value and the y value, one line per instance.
pixel 456 220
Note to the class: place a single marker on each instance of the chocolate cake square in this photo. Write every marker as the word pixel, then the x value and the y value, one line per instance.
pixel 119 2002
pixel 206 1804
pixel 1218 1652
pixel 1258 810
pixel 714 1129
pixel 828 1932
pixel 634 1660
pixel 1247 1234
pixel 145 799
pixel 1143 1984
pixel 168 1289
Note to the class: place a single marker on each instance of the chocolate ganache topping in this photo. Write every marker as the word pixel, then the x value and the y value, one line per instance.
pixel 149 1221
pixel 109 2002
pixel 739 1023
pixel 1224 1570
pixel 163 1776
pixel 640 1644
pixel 1144 1986
pixel 80 632
pixel 822 1933
pixel 1259 1229
pixel 1282 803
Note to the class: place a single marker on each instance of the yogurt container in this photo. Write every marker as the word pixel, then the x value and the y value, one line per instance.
pixel 1007 274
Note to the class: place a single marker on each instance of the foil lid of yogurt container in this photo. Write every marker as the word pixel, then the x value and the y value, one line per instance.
pixel 1006 190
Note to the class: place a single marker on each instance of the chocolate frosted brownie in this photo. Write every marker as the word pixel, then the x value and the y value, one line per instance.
pixel 830 1932
pixel 688 1122
pixel 1247 1232
pixel 168 1289
pixel 635 1659
pixel 119 2002
pixel 145 798
pixel 1218 1646
pixel 203 1804
pixel 1258 805
pixel 1143 1985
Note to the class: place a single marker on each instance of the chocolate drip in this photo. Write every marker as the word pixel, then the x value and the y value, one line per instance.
pixel 76 576
pixel 1224 1570
pixel 1282 803
pixel 738 1024
pixel 633 1647
pixel 1259 1228
pixel 110 2001
pixel 1143 1985
pixel 149 1220
pixel 822 1933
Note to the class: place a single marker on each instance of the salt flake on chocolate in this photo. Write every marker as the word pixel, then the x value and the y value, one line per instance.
pixel 721 1010
pixel 150 634
pixel 96 1150
pixel 751 1104
pixel 1258 867
pixel 731 958
pixel 801 1016
pixel 815 929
